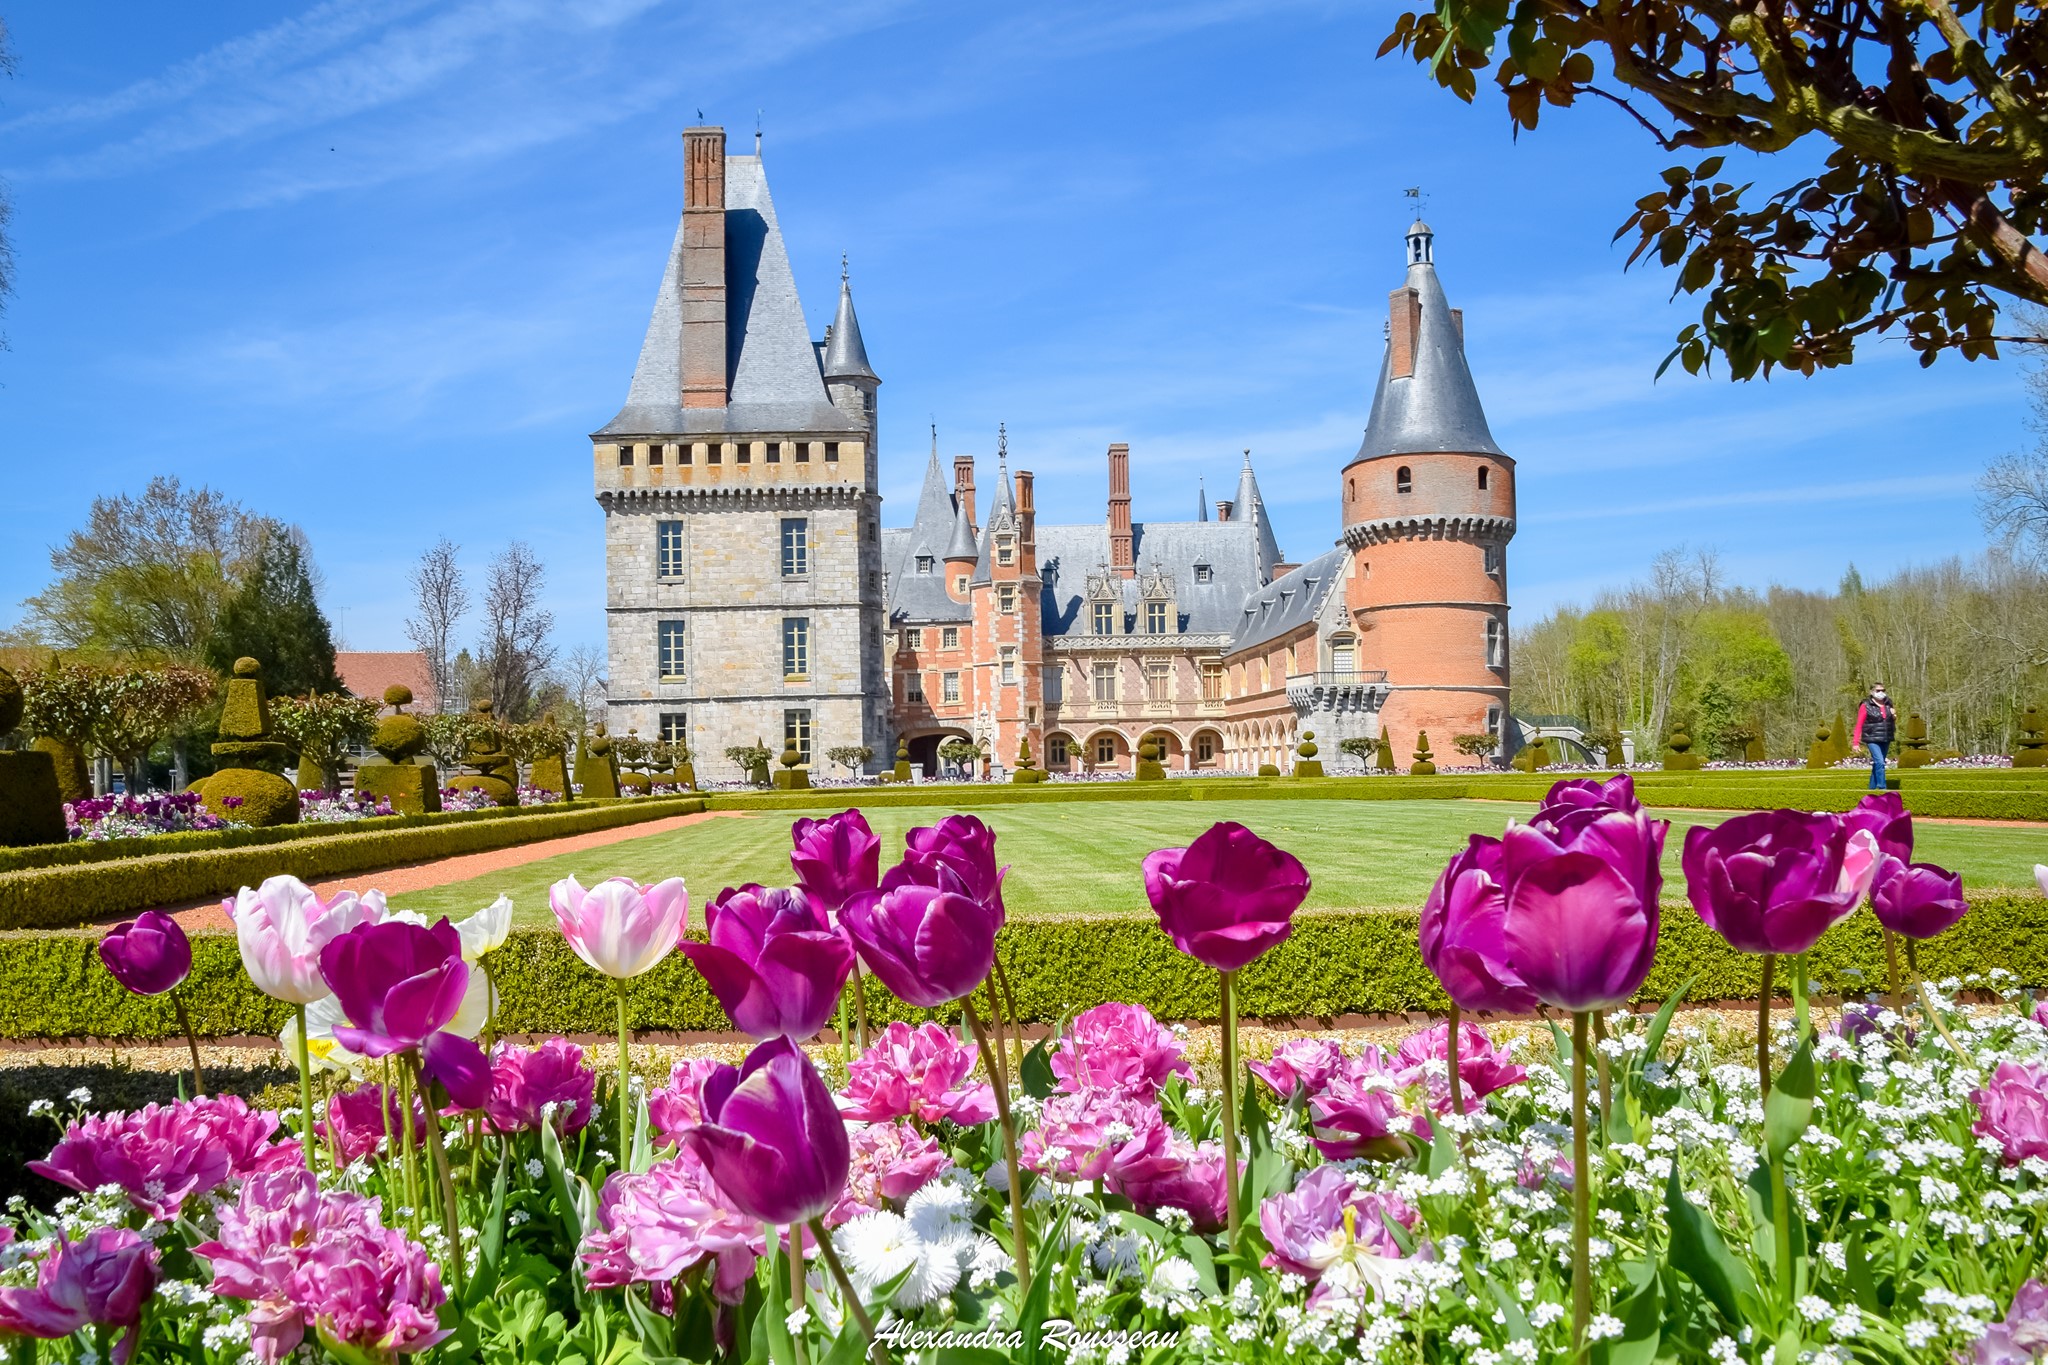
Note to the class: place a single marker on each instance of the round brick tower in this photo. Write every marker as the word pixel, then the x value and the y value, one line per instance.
pixel 1429 508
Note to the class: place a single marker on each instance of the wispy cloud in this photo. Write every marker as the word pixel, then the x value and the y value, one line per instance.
pixel 1914 488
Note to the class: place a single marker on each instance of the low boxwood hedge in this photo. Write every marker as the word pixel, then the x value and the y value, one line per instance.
pixel 1336 962
pixel 54 897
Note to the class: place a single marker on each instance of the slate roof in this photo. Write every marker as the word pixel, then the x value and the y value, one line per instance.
pixel 772 366
pixel 1068 554
pixel 1251 507
pixel 1289 601
pixel 846 357
pixel 1437 407
pixel 923 597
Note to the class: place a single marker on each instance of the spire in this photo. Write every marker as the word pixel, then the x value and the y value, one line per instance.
pixel 961 545
pixel 934 507
pixel 1251 507
pixel 845 356
pixel 1002 507
pixel 1201 500
pixel 1425 400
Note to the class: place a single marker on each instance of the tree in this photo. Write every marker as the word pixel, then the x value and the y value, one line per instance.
pixel 583 682
pixel 440 600
pixel 514 650
pixel 149 575
pixel 323 727
pixel 450 735
pixel 139 706
pixel 1933 122
pixel 1360 748
pixel 275 618
pixel 961 753
pixel 850 756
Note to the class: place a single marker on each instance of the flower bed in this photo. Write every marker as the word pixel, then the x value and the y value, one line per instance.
pixel 1871 1187
pixel 99 818
pixel 319 808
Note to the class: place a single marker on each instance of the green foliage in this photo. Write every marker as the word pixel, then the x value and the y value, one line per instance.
pixel 251 796
pixel 1358 747
pixel 1422 766
pixel 408 788
pixel 1383 757
pixel 961 752
pixel 31 809
pixel 751 760
pixel 73 782
pixel 450 735
pixel 275 616
pixel 323 727
pixel 1334 963
pixel 56 895
pixel 1268 770
pixel 1477 745
pixel 850 756
pixel 120 709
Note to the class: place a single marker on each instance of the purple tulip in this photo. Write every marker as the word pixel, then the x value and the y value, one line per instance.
pixel 968 846
pixel 1461 932
pixel 1581 879
pixel 1884 815
pixel 1227 897
pixel 460 1066
pixel 772 1137
pixel 360 1119
pixel 835 859
pixel 1360 1112
pixel 2023 1334
pixel 929 944
pixel 103 1279
pixel 148 954
pixel 398 984
pixel 1919 900
pixel 774 963
pixel 1774 881
pixel 524 1082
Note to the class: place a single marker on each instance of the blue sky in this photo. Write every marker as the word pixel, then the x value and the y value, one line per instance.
pixel 378 267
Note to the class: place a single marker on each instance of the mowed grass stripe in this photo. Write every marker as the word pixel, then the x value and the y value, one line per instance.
pixel 1085 858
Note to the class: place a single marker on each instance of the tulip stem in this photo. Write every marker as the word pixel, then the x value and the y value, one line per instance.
pixel 1021 1249
pixel 1802 1011
pixel 845 1034
pixel 1891 962
pixel 1230 1196
pixel 625 1082
pixel 846 1289
pixel 451 1220
pixel 1451 1055
pixel 860 1009
pixel 1925 994
pixel 409 1150
pixel 796 1290
pixel 192 1041
pixel 305 1084
pixel 1582 1190
pixel 1600 1062
pixel 1763 1026
pixel 1010 1005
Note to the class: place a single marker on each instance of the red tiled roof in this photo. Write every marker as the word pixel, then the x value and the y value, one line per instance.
pixel 367 673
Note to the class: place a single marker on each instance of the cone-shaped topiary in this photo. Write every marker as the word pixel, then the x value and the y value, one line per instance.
pixel 248 788
pixel 1914 754
pixel 1423 765
pixel 1306 764
pixel 1838 739
pixel 1383 757
pixel 31 811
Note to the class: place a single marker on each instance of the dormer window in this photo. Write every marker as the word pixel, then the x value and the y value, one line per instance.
pixel 1104 618
pixel 926 563
pixel 1404 482
pixel 1204 573
pixel 1006 549
pixel 1155 618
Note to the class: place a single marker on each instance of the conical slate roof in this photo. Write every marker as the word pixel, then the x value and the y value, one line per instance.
pixel 1436 408
pixel 961 546
pixel 1251 507
pixel 923 597
pixel 845 356
pixel 1001 509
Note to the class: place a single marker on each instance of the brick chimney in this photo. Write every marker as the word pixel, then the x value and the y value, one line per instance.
pixel 963 489
pixel 703 270
pixel 1404 323
pixel 1223 508
pixel 1027 512
pixel 1120 557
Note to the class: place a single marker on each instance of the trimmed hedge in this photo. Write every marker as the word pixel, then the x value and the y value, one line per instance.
pixel 54 897
pixel 1336 962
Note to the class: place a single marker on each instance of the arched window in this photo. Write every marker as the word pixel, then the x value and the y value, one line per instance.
pixel 1404 482
pixel 1350 488
pixel 1482 478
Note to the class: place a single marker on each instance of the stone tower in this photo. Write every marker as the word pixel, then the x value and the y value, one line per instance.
pixel 1429 508
pixel 741 496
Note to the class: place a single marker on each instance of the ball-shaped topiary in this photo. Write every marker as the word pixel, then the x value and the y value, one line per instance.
pixel 251 796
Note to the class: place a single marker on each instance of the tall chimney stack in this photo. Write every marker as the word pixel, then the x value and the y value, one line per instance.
pixel 963 489
pixel 1120 557
pixel 1223 506
pixel 703 343
pixel 1027 512
pixel 1404 323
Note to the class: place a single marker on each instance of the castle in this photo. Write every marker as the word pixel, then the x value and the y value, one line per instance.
pixel 753 593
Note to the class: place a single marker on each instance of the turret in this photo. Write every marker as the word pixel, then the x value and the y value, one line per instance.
pixel 850 382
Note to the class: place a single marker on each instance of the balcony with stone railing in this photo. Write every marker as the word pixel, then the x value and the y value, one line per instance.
pixel 1347 689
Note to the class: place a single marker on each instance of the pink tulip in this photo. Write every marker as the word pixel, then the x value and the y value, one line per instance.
pixel 1885 816
pixel 773 962
pixel 1306 1227
pixel 620 927
pixel 1918 901
pixel 659 1225
pixel 360 1118
pixel 1462 932
pixel 1088 1136
pixel 890 1162
pixel 1176 1173
pixel 2022 1337
pixel 282 928
pixel 679 1106
pixel 1118 1049
pixel 921 1073
pixel 835 859
pixel 1774 881
pixel 1361 1112
pixel 164 1155
pixel 1300 1064
pixel 524 1082
pixel 1227 897
pixel 300 1255
pixel 102 1280
pixel 1482 1067
pixel 772 1137
pixel 2013 1109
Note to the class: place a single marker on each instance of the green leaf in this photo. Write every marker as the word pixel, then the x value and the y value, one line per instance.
pixel 1037 1071
pixel 774 1318
pixel 1789 1110
pixel 1698 1250
pixel 642 1155
pixel 1642 1325
pixel 656 1332
pixel 491 1239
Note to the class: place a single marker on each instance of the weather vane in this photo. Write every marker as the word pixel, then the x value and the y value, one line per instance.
pixel 1421 200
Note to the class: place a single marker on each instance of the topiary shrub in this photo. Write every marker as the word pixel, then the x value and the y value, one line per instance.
pixel 1268 770
pixel 793 777
pixel 2033 746
pixel 251 796
pixel 638 783
pixel 1914 739
pixel 596 777
pixel 410 787
pixel 901 772
pixel 1678 754
pixel 247 788
pixel 1306 764
pixel 1838 739
pixel 31 812
pixel 1820 754
pixel 1424 765
pixel 74 779
pixel 1384 758
pixel 1148 766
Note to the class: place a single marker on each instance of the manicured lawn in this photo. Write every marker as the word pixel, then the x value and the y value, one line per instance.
pixel 1085 857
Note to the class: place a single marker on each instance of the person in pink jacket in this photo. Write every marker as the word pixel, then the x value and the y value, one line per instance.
pixel 1876 722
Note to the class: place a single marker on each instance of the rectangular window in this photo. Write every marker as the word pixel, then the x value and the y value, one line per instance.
pixel 1155 618
pixel 686 454
pixel 831 452
pixel 674 727
pixel 950 689
pixel 949 637
pixel 796 547
pixel 744 452
pixel 803 452
pixel 926 563
pixel 1105 681
pixel 1493 559
pixel 625 455
pixel 913 638
pixel 1105 750
pixel 1212 682
pixel 1204 574
pixel 1493 643
pixel 796 646
pixel 1104 618
pixel 1056 751
pixel 654 453
pixel 1158 680
pixel 775 452
pixel 1205 747
pixel 1493 720
pixel 796 734
pixel 672 654
pixel 913 687
pixel 1006 550
pixel 1009 658
pixel 1006 598
pixel 960 585
pixel 714 453
pixel 668 549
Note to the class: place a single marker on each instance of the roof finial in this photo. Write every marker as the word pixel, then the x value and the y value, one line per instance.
pixel 935 438
pixel 1247 457
pixel 757 132
pixel 1002 442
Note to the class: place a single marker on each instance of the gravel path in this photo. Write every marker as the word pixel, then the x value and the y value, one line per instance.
pixel 208 916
